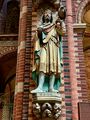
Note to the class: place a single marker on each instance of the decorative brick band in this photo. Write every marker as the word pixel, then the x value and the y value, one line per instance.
pixel 21 46
pixel 24 10
pixel 74 93
pixel 80 68
pixel 19 87
pixel 20 77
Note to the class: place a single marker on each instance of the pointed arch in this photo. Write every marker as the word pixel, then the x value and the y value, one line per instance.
pixel 80 11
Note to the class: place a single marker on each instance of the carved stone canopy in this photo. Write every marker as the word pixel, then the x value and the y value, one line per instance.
pixel 54 3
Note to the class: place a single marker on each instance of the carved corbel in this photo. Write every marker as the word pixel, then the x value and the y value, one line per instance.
pixel 47 106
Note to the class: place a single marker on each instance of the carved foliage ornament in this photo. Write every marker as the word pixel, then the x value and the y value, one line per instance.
pixel 47 110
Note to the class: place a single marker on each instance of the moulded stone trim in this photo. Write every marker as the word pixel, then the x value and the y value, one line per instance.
pixel 80 10
pixel 79 27
pixel 8 43
pixel 4 50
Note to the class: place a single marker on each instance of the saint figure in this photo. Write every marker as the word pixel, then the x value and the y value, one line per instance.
pixel 47 68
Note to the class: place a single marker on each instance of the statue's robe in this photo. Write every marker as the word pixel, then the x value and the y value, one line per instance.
pixel 48 56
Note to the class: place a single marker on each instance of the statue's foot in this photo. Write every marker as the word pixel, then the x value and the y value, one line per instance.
pixel 53 90
pixel 37 90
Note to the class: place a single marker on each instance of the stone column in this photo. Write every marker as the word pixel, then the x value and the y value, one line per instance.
pixel 21 100
pixel 73 79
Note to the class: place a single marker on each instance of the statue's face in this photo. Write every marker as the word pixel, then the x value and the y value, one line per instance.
pixel 58 25
pixel 47 16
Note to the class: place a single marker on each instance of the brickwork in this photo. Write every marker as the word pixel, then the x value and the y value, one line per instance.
pixel 28 62
pixel 81 86
pixel 79 54
pixel 80 68
pixel 74 86
pixel 24 64
pixel 19 104
pixel 32 84
pixel 67 85
pixel 84 111
pixel 87 63
pixel 74 93
pixel 0 113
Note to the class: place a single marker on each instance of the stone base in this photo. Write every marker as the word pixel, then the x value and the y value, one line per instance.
pixel 45 97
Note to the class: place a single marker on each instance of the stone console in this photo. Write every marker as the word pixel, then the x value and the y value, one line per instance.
pixel 47 106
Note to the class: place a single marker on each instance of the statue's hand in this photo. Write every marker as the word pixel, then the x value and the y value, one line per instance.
pixel 59 31
pixel 58 26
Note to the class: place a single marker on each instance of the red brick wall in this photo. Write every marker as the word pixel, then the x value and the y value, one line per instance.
pixel 80 68
pixel 23 100
pixel 84 111
pixel 19 101
pixel 0 113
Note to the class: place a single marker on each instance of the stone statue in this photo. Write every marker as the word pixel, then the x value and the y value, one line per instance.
pixel 48 54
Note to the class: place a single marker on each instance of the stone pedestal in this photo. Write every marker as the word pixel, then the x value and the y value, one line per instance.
pixel 47 105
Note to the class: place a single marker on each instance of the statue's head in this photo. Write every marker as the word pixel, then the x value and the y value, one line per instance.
pixel 58 24
pixel 47 16
pixel 62 12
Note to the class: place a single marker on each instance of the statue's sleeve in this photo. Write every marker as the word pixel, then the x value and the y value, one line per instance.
pixel 37 43
pixel 36 51
pixel 61 41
